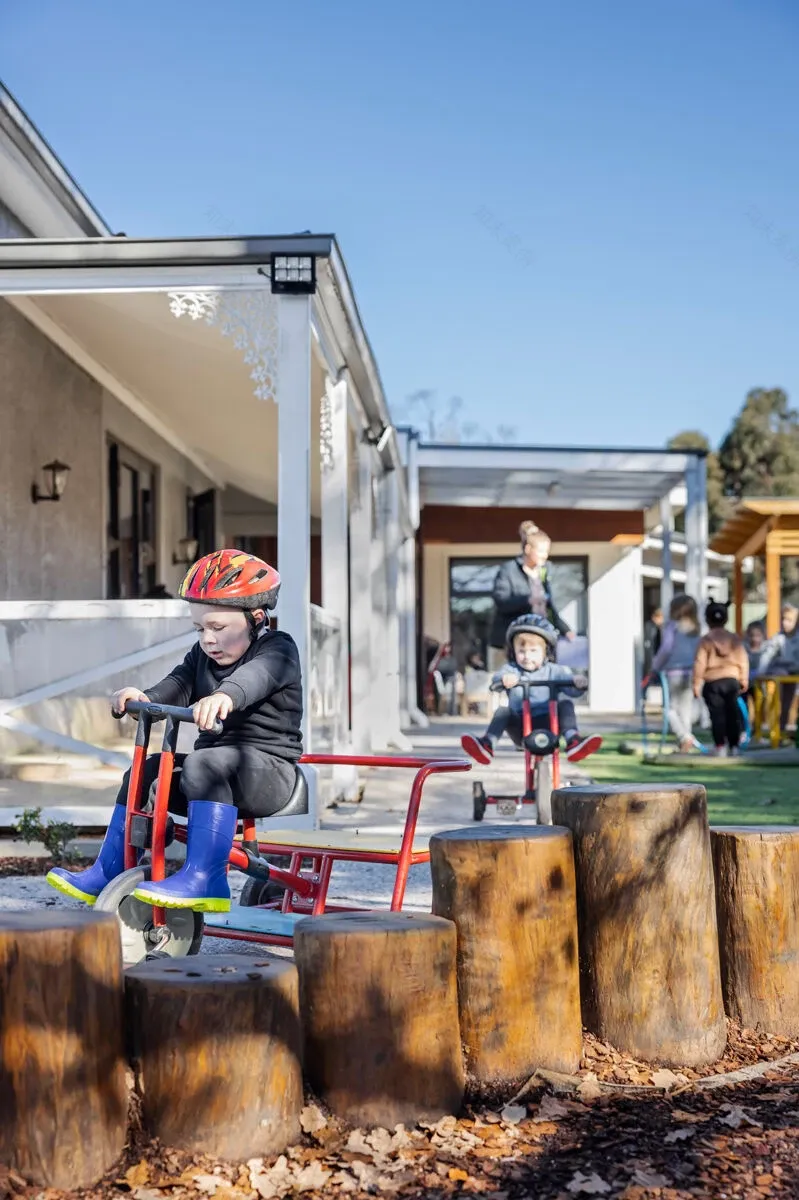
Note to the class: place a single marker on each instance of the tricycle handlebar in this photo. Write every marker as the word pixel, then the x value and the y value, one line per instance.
pixel 553 686
pixel 159 712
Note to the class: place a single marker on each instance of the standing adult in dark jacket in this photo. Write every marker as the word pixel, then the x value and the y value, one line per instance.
pixel 522 586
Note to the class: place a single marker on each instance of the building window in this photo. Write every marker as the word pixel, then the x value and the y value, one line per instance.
pixel 471 607
pixel 132 563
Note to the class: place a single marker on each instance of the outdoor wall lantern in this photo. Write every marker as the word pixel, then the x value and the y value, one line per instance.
pixel 55 474
pixel 186 552
pixel 293 274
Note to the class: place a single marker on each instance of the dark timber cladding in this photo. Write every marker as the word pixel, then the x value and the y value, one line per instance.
pixel 452 524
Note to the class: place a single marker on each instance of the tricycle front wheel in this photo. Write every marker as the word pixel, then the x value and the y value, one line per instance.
pixel 182 934
pixel 478 801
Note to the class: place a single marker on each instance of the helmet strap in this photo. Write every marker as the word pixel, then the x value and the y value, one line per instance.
pixel 254 625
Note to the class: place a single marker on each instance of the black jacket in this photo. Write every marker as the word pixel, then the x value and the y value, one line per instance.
pixel 265 686
pixel 512 599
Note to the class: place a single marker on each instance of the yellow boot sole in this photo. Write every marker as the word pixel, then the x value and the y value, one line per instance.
pixel 69 889
pixel 205 904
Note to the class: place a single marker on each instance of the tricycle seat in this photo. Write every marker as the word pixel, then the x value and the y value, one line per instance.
pixel 297 803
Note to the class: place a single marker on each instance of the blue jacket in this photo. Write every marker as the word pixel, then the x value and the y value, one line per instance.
pixel 539 697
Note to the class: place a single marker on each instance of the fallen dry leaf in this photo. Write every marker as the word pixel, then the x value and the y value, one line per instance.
pixel 457 1175
pixel 550 1109
pixel 137 1175
pixel 677 1114
pixel 679 1135
pixel 650 1179
pixel 589 1089
pixel 587 1185
pixel 312 1177
pixel 665 1078
pixel 512 1114
pixel 737 1116
pixel 312 1119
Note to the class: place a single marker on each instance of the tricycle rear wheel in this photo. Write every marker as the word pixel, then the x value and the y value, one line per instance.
pixel 139 936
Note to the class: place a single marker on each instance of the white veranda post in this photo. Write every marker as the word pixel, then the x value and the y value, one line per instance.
pixel 335 516
pixel 273 335
pixel 696 532
pixel 667 525
pixel 294 482
pixel 361 622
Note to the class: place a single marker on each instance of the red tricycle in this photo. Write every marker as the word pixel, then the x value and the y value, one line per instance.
pixel 275 896
pixel 541 761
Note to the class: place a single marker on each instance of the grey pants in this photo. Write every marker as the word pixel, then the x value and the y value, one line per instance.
pixel 681 705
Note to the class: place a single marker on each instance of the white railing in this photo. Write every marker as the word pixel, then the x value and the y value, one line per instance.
pixel 60 661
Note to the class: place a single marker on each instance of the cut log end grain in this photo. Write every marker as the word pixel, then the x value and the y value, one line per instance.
pixel 649 958
pixel 63 1099
pixel 217 1049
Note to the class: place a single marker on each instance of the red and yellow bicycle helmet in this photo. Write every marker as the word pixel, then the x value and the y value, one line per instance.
pixel 231 579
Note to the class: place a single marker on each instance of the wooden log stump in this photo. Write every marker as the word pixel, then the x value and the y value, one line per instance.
pixel 379 1004
pixel 216 1046
pixel 649 959
pixel 757 900
pixel 63 1097
pixel 510 891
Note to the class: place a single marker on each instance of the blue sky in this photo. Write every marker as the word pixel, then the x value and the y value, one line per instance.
pixel 581 218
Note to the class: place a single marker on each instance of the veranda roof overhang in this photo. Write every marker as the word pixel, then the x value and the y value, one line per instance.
pixel 745 532
pixel 550 476
pixel 108 299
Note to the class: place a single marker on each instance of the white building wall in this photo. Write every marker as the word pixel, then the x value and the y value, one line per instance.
pixel 615 617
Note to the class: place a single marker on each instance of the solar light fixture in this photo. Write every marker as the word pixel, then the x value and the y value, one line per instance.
pixel 379 440
pixel 55 474
pixel 293 274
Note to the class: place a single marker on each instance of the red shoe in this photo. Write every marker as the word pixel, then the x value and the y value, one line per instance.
pixel 579 748
pixel 480 749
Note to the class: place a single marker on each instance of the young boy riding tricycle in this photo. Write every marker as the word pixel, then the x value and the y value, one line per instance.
pixel 239 672
pixel 530 641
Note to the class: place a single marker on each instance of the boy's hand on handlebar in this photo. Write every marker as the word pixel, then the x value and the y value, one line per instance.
pixel 581 681
pixel 211 709
pixel 121 698
pixel 510 680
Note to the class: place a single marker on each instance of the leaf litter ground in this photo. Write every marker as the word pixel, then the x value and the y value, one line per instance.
pixel 672 1139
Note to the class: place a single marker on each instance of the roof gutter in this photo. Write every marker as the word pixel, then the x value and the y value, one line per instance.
pixel 370 385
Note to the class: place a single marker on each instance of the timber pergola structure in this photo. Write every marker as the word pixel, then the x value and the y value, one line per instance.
pixel 767 528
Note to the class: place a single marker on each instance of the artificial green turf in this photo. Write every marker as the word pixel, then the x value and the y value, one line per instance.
pixel 738 793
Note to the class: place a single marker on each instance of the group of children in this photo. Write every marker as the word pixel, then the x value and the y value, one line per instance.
pixel 719 667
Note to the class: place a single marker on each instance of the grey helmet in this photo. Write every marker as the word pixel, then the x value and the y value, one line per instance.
pixel 530 623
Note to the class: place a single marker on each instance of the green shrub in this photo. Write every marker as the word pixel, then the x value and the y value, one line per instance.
pixel 54 835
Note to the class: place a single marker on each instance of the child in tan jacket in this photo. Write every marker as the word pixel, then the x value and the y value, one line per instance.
pixel 721 675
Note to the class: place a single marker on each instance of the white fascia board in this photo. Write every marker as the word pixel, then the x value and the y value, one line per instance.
pixel 63 281
pixel 552 459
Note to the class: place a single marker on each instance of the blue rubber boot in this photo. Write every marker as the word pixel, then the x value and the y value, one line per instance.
pixel 201 883
pixel 110 862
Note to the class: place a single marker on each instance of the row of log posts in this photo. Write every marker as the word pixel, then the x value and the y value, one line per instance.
pixel 628 916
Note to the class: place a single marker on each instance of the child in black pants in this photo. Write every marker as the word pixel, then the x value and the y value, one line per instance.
pixel 721 675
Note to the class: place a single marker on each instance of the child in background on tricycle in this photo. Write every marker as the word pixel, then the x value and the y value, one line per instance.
pixel 529 642
pixel 243 673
